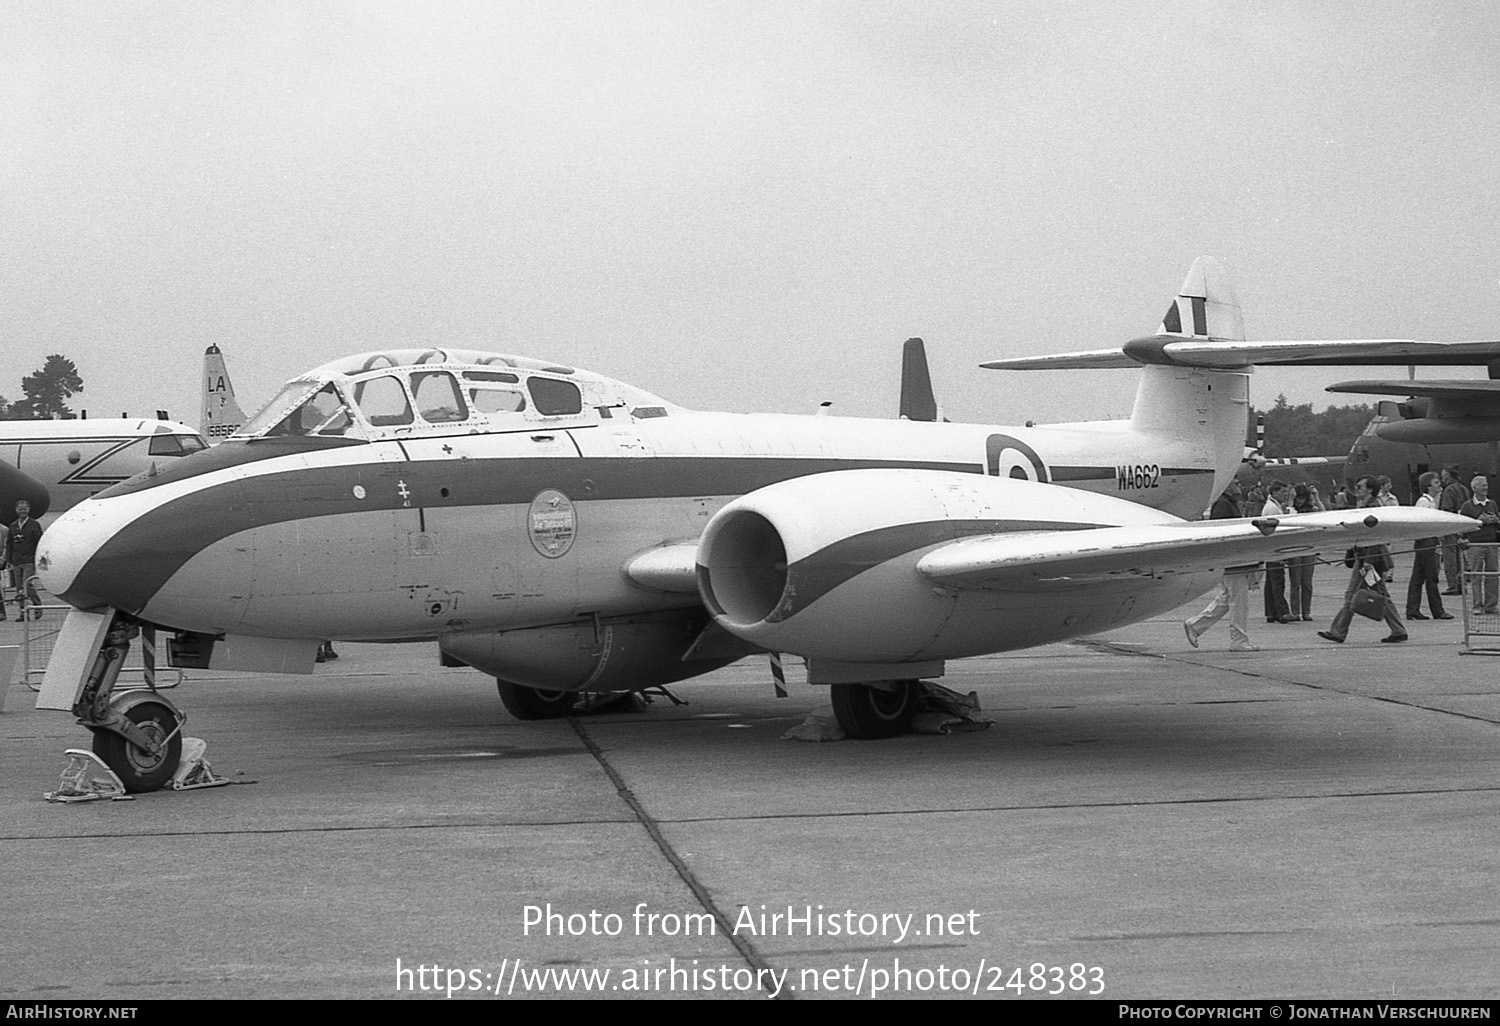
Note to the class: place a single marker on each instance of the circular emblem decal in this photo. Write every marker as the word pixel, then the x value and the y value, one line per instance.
pixel 552 523
pixel 1010 457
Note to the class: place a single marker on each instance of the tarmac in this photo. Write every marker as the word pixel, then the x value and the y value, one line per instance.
pixel 1142 821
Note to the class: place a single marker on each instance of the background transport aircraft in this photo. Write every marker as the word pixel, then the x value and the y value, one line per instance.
pixel 567 533
pixel 73 459
pixel 1442 422
pixel 55 464
pixel 15 486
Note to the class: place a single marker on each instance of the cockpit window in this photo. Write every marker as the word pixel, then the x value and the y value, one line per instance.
pixel 175 445
pixel 553 398
pixel 438 398
pixel 490 401
pixel 383 401
pixel 321 413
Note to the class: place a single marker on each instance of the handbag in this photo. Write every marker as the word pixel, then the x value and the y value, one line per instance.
pixel 1368 602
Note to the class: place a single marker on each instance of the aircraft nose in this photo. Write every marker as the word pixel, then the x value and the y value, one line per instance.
pixel 73 564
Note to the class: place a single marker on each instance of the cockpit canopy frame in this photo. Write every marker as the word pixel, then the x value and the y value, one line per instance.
pixel 424 392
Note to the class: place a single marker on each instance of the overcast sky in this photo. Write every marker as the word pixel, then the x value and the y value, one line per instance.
pixel 739 205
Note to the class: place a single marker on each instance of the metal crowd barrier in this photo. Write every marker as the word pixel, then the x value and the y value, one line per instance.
pixel 39 635
pixel 1481 622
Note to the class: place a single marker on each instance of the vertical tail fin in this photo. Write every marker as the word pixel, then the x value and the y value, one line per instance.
pixel 1206 307
pixel 1211 405
pixel 917 400
pixel 222 416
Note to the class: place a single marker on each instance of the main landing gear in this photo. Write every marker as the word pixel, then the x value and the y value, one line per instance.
pixel 138 733
pixel 531 704
pixel 870 712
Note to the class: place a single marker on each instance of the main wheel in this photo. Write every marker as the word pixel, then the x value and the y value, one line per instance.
pixel 532 704
pixel 139 770
pixel 867 713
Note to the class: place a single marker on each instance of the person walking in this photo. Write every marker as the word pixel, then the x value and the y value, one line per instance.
pixel 1371 564
pixel 1233 594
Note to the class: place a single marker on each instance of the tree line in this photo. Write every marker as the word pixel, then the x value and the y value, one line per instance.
pixel 45 392
pixel 1298 431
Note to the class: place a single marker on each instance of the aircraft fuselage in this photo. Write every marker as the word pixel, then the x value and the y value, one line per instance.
pixel 520 519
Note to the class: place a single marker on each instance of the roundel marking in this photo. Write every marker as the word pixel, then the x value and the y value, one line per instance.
pixel 552 523
pixel 1010 457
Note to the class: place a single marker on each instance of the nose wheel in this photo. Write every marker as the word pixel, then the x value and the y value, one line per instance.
pixel 869 712
pixel 147 758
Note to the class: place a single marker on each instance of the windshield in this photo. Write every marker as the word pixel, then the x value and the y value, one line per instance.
pixel 289 398
pixel 314 410
pixel 175 445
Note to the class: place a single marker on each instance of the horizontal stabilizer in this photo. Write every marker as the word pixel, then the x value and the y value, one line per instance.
pixel 1179 351
pixel 1093 359
pixel 1478 388
pixel 1004 562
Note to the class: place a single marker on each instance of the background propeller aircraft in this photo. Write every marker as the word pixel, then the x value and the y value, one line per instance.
pixel 56 464
pixel 70 460
pixel 567 533
pixel 1443 422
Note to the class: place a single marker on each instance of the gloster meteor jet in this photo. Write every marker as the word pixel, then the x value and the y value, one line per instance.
pixel 566 534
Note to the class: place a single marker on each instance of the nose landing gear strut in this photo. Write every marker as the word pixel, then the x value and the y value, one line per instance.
pixel 138 733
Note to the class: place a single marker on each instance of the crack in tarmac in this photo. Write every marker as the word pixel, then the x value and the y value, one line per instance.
pixel 653 824
pixel 653 828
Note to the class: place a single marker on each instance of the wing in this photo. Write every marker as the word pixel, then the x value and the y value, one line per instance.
pixel 1064 558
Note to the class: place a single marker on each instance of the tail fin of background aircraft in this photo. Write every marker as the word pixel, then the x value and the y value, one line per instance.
pixel 917 384
pixel 917 400
pixel 222 416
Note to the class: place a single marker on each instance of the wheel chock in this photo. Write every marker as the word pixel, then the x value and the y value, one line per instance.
pixel 945 711
pixel 87 779
pixel 820 725
pixel 194 770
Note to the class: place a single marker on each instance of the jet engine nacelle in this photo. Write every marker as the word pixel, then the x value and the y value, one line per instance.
pixel 607 655
pixel 825 566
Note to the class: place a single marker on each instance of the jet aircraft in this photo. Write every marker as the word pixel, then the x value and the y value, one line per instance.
pixel 566 533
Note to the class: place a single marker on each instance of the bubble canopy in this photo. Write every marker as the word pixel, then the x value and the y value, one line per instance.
pixel 404 392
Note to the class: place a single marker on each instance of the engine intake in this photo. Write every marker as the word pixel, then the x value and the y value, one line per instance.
pixel 825 566
pixel 744 576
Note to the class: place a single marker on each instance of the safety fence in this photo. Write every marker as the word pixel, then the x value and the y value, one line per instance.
pixel 39 630
pixel 1481 598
